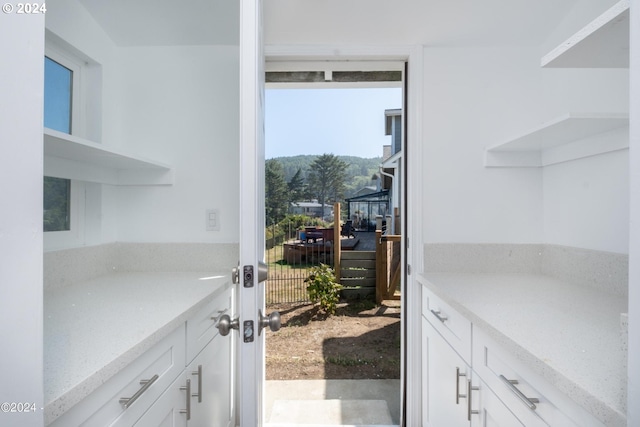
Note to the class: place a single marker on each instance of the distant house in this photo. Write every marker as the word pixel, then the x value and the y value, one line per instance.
pixel 312 208
pixel 391 170
pixel 393 127
pixel 366 190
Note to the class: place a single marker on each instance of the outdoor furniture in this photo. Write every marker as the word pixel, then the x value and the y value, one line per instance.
pixel 347 229
pixel 313 234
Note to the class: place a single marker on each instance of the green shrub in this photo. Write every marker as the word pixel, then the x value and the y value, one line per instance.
pixel 323 288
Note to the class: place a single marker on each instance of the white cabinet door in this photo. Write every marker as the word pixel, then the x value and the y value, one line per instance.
pixel 169 409
pixel 444 389
pixel 211 385
pixel 492 412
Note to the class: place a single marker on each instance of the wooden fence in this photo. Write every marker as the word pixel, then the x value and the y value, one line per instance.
pixel 388 267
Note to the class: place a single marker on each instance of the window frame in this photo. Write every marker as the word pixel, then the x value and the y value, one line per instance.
pixel 76 65
pixel 75 236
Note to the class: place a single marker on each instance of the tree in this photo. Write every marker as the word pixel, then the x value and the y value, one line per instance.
pixel 276 192
pixel 296 187
pixel 326 178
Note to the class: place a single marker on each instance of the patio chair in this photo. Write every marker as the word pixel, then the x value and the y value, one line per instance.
pixel 347 229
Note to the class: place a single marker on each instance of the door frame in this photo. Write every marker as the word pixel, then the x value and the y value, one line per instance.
pixel 412 251
pixel 250 293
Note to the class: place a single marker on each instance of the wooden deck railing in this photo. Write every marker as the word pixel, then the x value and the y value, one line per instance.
pixel 388 266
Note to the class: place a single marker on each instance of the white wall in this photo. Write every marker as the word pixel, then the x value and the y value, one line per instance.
pixel 634 234
pixel 479 97
pixel 586 203
pixel 177 105
pixel 21 105
pixel 182 105
pixel 474 98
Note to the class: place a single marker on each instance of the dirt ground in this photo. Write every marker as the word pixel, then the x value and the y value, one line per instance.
pixel 360 341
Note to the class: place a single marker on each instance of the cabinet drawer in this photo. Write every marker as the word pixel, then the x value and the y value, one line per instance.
pixel 454 327
pixel 201 328
pixel 103 407
pixel 529 396
pixel 168 410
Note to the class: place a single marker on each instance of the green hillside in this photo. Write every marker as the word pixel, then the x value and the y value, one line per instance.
pixel 359 172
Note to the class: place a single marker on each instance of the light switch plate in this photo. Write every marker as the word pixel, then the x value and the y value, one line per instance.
pixel 212 218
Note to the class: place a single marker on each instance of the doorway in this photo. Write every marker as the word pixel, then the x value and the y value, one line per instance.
pixel 344 82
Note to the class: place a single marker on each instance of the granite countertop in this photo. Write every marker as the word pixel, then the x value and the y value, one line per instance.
pixel 568 334
pixel 95 328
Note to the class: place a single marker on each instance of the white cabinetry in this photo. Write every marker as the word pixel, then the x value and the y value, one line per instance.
pixel 445 383
pixel 481 384
pixel 211 389
pixel 210 368
pixel 529 396
pixel 452 394
pixel 184 380
pixel 493 413
pixel 169 410
pixel 127 395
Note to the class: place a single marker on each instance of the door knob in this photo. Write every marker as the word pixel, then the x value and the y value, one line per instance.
pixel 263 271
pixel 225 324
pixel 272 321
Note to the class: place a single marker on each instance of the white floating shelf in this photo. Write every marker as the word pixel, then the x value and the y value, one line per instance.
pixel 603 43
pixel 568 137
pixel 67 156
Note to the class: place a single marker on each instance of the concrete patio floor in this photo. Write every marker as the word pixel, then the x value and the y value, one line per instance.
pixel 332 402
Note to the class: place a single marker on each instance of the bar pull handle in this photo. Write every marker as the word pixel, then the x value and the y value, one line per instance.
pixel 470 388
pixel 458 395
pixel 128 401
pixel 199 374
pixel 529 401
pixel 188 390
pixel 439 315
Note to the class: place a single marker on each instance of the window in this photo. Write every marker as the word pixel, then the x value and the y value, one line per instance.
pixel 57 204
pixel 58 109
pixel 58 96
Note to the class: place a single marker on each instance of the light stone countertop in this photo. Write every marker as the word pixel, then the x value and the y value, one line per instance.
pixel 570 335
pixel 95 328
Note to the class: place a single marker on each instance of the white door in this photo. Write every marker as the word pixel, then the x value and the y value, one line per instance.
pixel 250 292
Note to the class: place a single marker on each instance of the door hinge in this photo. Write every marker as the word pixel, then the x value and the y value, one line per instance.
pixel 408 269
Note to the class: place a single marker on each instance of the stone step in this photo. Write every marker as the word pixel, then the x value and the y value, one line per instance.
pixel 330 412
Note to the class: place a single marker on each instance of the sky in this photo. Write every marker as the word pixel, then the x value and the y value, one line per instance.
pixel 328 121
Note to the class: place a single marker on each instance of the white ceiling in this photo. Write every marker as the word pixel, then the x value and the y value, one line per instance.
pixel 427 22
pixel 337 22
pixel 167 22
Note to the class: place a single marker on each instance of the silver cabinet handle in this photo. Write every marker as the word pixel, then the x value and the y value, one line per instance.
pixel 529 401
pixel 199 374
pixel 128 401
pixel 470 388
pixel 188 410
pixel 439 315
pixel 458 395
